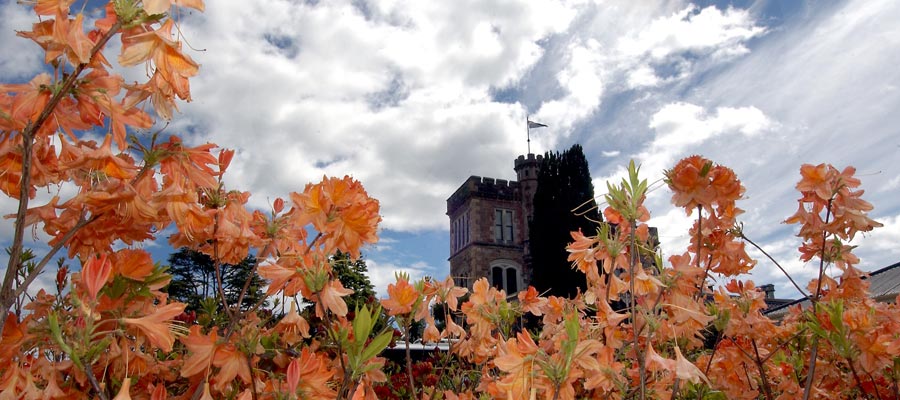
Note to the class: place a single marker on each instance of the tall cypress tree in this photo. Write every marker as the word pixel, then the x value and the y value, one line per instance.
pixel 564 184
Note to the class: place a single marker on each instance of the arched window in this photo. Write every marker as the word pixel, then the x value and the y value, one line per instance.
pixel 497 277
pixel 506 275
pixel 512 280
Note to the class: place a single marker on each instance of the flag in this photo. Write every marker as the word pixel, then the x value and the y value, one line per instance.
pixel 532 124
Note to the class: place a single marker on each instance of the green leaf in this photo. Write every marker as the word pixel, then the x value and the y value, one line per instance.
pixel 362 324
pixel 377 345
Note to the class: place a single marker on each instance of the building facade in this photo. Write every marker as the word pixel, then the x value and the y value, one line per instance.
pixel 489 228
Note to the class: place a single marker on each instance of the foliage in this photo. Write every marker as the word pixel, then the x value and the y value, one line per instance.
pixel 563 202
pixel 109 330
pixel 194 280
pixel 353 275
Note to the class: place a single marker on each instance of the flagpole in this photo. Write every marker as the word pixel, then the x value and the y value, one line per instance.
pixel 528 132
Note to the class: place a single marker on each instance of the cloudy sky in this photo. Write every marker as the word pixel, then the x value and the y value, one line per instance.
pixel 411 97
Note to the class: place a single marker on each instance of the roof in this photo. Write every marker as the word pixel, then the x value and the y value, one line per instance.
pixel 884 286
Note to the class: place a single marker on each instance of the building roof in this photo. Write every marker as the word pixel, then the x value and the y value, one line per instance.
pixel 884 286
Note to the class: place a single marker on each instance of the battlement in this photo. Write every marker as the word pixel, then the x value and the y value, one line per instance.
pixel 522 160
pixel 483 187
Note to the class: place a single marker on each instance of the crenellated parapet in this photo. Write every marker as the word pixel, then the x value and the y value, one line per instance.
pixel 486 188
pixel 526 160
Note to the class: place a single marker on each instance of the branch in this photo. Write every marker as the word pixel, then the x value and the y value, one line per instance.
pixel 25 182
pixel 740 234
pixel 62 242
pixel 815 300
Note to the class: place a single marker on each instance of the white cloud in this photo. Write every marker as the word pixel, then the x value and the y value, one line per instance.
pixel 645 46
pixel 879 248
pixel 694 30
pixel 382 274
pixel 21 57
pixel 611 153
pixel 391 95
pixel 683 129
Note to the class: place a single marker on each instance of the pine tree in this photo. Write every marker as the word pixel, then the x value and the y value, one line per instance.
pixel 353 274
pixel 194 279
pixel 564 185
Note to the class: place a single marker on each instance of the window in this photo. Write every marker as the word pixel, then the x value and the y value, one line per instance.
pixel 505 276
pixel 512 280
pixel 462 280
pixel 503 225
pixel 497 277
pixel 459 233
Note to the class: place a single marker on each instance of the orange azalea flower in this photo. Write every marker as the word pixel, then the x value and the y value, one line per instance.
pixel 132 264
pixel 292 327
pixel 818 179
pixel 688 180
pixel 331 298
pixel 123 391
pixel 52 7
pixel 206 394
pixel 202 348
pixel 314 373
pixel 431 334
pixel 401 297
pixel 342 211
pixel 280 277
pixel 157 326
pixel 448 292
pixel 13 336
pixel 645 283
pixel 94 275
pixel 160 6
pixel 531 302
pixel 517 360
pixel 686 370
pixel 293 375
pixel 159 393
pixel 582 255
pixel 656 363
pixel 231 363
pixel 726 185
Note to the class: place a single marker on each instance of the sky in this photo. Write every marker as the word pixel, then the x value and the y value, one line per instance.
pixel 412 97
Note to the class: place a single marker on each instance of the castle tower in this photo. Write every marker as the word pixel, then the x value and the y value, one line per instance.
pixel 527 170
pixel 489 228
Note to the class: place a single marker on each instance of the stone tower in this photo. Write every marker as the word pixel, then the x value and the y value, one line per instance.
pixel 489 228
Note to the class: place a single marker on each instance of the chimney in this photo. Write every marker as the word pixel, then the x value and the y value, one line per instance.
pixel 769 289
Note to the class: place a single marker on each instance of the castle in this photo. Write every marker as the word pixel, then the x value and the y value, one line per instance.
pixel 489 228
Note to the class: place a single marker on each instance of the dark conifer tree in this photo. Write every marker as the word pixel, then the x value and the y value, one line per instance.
pixel 353 274
pixel 564 185
pixel 194 279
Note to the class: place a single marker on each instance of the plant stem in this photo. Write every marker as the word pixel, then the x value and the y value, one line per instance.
pixel 412 384
pixel 252 378
pixel 218 268
pixel 631 300
pixel 814 351
pixel 762 372
pixel 742 236
pixel 96 385
pixel 719 337
pixel 249 280
pixel 700 245
pixel 28 135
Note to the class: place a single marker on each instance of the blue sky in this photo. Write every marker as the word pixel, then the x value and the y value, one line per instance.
pixel 412 97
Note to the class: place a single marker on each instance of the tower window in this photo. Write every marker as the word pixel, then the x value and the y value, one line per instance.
pixel 503 225
pixel 459 234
